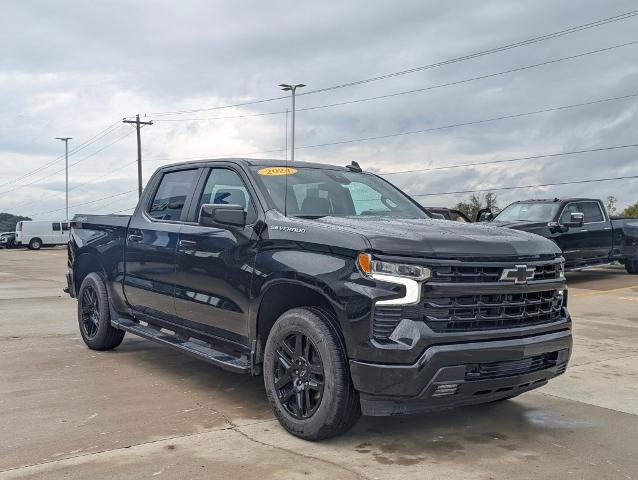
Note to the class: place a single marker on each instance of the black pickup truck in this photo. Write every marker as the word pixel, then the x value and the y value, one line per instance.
pixel 336 286
pixel 581 227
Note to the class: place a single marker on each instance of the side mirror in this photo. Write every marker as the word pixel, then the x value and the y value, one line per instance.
pixel 576 220
pixel 215 215
pixel 484 215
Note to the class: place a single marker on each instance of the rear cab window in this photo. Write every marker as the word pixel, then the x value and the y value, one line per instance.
pixel 171 194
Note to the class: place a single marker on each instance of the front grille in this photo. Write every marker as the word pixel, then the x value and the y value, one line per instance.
pixel 460 274
pixel 485 371
pixel 473 312
pixel 489 312
pixel 485 274
pixel 449 305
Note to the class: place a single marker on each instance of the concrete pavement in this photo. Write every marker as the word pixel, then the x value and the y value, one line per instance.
pixel 144 411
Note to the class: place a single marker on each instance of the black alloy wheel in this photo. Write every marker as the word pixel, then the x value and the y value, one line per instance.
pixel 306 375
pixel 90 312
pixel 299 375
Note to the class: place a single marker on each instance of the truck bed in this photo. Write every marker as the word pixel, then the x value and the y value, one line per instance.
pixel 88 221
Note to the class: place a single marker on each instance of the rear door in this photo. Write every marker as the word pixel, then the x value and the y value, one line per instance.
pixel 214 265
pixel 65 232
pixel 55 236
pixel 151 243
pixel 592 241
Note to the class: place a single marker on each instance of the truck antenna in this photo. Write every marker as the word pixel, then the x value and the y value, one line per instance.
pixel 286 175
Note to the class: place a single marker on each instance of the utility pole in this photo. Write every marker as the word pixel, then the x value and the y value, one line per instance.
pixel 66 158
pixel 138 126
pixel 292 89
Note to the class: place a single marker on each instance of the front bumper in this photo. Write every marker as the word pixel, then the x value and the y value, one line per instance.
pixel 447 376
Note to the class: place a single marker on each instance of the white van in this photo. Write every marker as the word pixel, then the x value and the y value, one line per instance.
pixel 36 234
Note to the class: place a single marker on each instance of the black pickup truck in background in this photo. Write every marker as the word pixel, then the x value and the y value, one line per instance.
pixel 581 227
pixel 336 286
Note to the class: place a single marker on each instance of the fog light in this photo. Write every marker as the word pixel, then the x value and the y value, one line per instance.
pixel 446 389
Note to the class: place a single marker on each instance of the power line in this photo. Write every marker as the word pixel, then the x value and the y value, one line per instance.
pixel 229 117
pixel 411 132
pixel 81 185
pixel 508 160
pixel 207 157
pixel 464 124
pixel 495 189
pixel 123 210
pixel 482 53
pixel 91 202
pixel 73 164
pixel 502 48
pixel 97 137
pixel 407 92
pixel 467 80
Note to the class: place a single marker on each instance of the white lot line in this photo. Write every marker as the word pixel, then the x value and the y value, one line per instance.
pixel 631 299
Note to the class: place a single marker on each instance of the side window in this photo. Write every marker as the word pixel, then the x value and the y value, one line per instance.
pixel 65 226
pixel 56 226
pixel 567 212
pixel 225 187
pixel 171 195
pixel 592 212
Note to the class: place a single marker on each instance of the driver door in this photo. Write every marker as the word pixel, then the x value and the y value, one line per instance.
pixel 591 241
pixel 214 264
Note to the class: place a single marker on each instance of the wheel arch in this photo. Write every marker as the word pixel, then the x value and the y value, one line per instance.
pixel 86 262
pixel 281 296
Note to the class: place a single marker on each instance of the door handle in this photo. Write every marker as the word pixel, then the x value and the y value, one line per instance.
pixel 135 237
pixel 187 244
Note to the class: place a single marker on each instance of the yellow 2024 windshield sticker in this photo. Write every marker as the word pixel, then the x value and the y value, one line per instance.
pixel 274 171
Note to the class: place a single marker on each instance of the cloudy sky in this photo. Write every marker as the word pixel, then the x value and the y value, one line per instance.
pixel 75 68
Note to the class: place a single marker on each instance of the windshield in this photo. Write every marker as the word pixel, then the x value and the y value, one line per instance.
pixel 315 192
pixel 528 212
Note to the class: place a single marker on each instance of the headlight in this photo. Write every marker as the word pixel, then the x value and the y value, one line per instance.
pixel 402 274
pixel 370 266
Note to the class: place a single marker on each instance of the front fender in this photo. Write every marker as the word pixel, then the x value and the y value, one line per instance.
pixel 333 276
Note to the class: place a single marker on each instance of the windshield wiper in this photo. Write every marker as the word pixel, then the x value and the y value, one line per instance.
pixel 309 217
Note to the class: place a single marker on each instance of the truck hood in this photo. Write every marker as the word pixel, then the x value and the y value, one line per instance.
pixel 442 238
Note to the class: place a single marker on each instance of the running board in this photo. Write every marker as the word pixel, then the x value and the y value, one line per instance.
pixel 190 347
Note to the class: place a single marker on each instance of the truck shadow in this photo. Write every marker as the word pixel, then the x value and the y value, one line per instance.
pixel 601 279
pixel 492 430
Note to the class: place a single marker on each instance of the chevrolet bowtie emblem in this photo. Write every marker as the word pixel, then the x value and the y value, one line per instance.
pixel 518 274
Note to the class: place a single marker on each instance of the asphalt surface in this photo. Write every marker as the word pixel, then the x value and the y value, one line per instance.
pixel 145 411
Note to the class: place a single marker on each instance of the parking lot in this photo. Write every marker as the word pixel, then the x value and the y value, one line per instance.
pixel 144 411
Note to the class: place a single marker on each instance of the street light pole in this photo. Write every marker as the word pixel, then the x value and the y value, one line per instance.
pixel 292 89
pixel 66 158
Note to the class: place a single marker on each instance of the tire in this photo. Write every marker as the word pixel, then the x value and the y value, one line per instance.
pixel 35 244
pixel 631 266
pixel 94 317
pixel 329 403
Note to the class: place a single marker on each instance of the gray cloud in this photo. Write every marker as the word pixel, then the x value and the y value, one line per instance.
pixel 72 68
